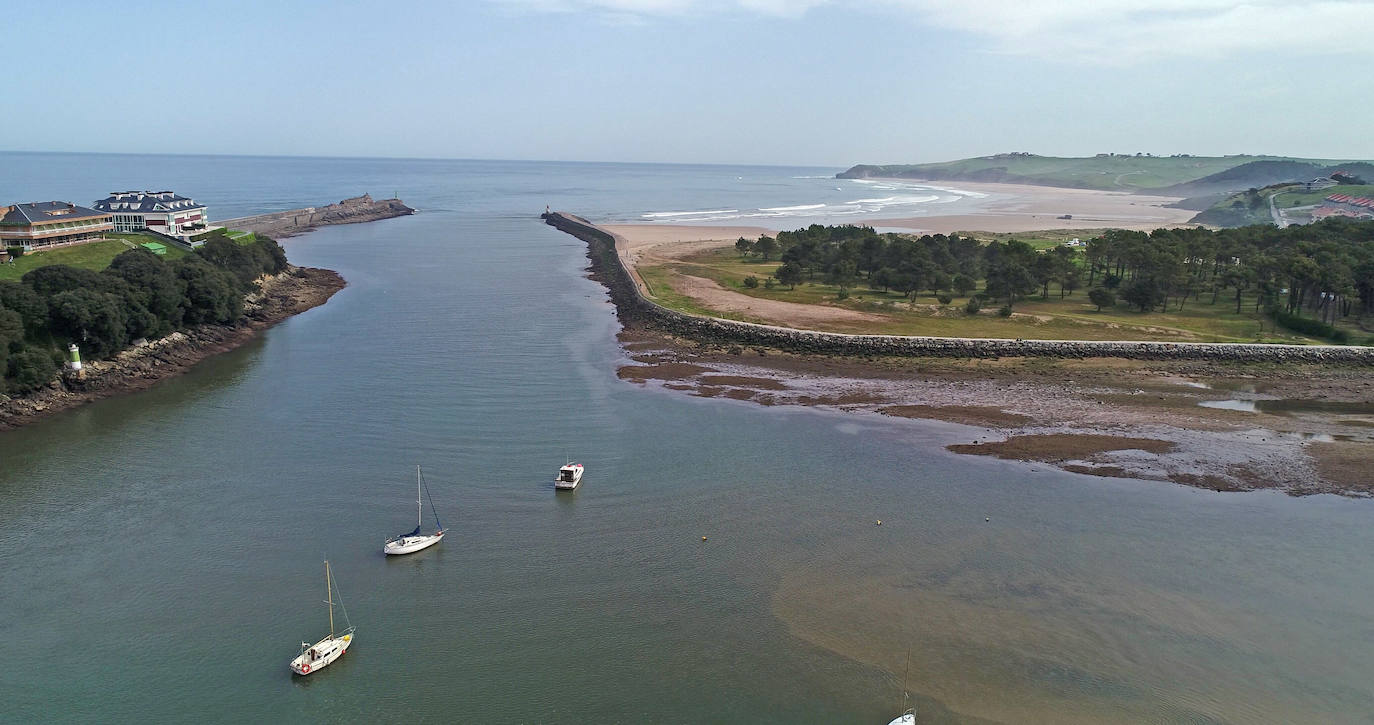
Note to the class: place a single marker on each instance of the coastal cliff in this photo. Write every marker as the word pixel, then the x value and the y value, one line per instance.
pixel 290 293
pixel 356 210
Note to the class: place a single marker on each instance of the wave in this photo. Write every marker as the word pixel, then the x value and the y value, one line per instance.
pixel 802 207
pixel 814 177
pixel 660 214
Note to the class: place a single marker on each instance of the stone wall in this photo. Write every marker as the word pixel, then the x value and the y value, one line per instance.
pixel 605 251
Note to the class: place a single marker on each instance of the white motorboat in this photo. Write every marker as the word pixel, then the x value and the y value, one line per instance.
pixel 568 477
pixel 415 541
pixel 323 653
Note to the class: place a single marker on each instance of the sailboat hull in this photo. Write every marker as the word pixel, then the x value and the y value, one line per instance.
pixel 323 654
pixel 411 544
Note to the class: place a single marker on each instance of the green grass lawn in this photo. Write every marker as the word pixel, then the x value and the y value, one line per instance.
pixel 1070 318
pixel 95 255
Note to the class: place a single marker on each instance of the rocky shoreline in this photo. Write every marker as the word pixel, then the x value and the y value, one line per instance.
pixel 290 293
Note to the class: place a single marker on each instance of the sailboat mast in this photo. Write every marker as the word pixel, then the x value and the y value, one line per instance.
pixel 419 504
pixel 329 596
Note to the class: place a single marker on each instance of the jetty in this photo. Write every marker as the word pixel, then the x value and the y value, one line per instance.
pixel 288 223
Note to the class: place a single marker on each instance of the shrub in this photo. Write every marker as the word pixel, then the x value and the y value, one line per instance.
pixel 768 283
pixel 974 304
pixel 1102 297
pixel 944 299
pixel 1005 311
pixel 842 295
pixel 751 282
pixel 1307 326
pixel 15 252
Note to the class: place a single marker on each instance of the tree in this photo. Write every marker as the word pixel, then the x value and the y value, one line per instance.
pixel 1143 292
pixel 239 260
pixel 212 294
pixel 743 246
pixel 1045 270
pixel 31 307
pixel 1009 280
pixel 963 284
pixel 94 320
pixel 842 274
pixel 1102 297
pixel 155 287
pixel 28 369
pixel 54 278
pixel 789 274
pixel 11 331
pixel 766 246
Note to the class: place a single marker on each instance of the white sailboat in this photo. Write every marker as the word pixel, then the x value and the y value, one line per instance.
pixel 415 541
pixel 320 655
pixel 908 717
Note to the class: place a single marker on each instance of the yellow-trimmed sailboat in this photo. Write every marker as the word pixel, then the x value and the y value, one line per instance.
pixel 324 652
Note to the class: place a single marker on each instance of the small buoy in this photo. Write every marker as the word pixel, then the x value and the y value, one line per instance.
pixel 880 522
pixel 703 538
pixel 987 518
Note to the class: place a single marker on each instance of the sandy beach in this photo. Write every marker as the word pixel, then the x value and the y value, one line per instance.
pixel 1005 208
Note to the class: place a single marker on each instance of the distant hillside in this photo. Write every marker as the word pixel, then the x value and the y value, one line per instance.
pixel 1259 174
pixel 1115 172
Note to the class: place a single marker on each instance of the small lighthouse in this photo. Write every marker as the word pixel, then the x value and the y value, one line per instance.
pixel 73 358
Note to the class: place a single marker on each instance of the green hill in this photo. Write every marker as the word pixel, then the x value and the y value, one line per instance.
pixel 1115 172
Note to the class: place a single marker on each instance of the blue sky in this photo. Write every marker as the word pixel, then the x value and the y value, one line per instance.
pixel 710 81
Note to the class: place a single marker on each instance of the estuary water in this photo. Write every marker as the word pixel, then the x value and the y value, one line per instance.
pixel 160 553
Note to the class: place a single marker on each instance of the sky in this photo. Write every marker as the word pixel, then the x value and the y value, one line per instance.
pixel 788 82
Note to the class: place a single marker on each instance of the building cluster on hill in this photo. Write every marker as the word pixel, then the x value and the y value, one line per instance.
pixel 1355 207
pixel 47 224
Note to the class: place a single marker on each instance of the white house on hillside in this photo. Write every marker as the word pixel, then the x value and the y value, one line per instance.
pixel 159 211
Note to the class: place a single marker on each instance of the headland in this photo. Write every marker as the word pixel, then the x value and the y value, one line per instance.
pixel 1227 417
pixel 284 295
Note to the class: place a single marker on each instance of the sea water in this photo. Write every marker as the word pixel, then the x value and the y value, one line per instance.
pixel 161 553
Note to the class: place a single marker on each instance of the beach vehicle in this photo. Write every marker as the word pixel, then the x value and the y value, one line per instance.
pixel 323 653
pixel 568 477
pixel 415 541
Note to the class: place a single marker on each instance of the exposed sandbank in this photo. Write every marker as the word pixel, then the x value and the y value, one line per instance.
pixel 1102 416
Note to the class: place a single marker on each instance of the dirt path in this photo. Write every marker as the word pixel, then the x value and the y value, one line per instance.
pixel 776 312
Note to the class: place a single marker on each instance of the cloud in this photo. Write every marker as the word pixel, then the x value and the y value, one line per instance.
pixel 1119 31
pixel 1126 31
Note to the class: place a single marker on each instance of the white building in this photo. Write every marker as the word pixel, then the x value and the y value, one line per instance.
pixel 159 211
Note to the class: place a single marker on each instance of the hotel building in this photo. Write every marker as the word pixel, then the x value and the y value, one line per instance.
pixel 45 224
pixel 159 211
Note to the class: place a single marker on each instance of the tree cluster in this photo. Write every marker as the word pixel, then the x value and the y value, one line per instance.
pixel 1325 270
pixel 138 296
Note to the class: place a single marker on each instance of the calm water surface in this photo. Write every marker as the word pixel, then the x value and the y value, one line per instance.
pixel 160 554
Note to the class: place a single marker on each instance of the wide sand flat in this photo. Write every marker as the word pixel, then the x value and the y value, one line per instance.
pixel 1023 208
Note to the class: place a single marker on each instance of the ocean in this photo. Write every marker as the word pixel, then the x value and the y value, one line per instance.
pixel 161 553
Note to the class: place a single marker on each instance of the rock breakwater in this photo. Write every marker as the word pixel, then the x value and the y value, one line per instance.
pixel 283 224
